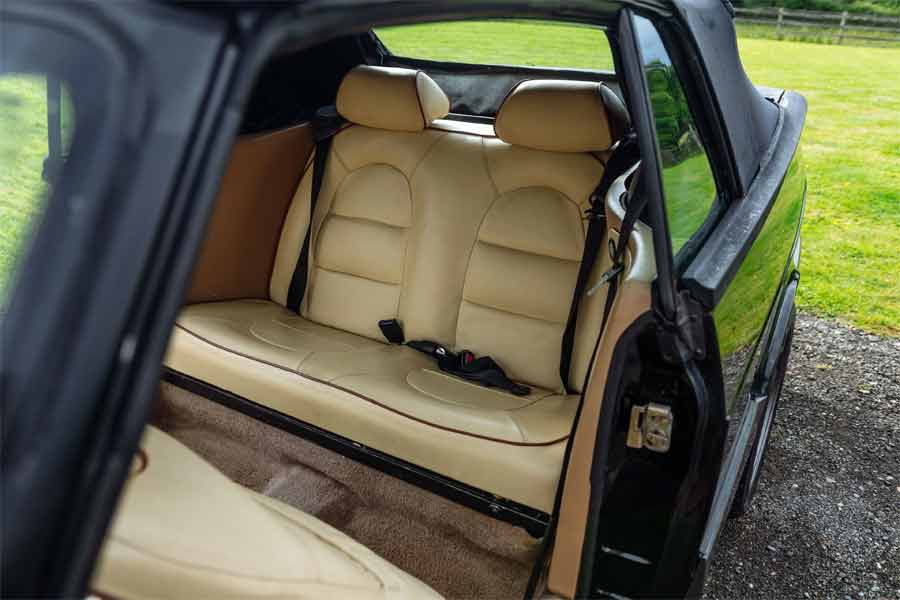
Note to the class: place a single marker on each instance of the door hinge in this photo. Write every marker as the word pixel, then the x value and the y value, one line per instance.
pixel 650 427
pixel 683 339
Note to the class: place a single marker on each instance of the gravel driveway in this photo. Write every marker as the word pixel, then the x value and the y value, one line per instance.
pixel 825 522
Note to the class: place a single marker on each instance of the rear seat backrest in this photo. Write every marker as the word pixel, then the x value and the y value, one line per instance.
pixel 471 241
pixel 358 252
pixel 522 271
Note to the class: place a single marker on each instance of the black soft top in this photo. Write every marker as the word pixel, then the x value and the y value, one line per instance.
pixel 749 117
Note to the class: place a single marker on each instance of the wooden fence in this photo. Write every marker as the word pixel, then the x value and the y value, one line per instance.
pixel 837 26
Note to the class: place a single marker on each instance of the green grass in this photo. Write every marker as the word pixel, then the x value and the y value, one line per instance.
pixel 528 43
pixel 851 252
pixel 23 146
pixel 851 146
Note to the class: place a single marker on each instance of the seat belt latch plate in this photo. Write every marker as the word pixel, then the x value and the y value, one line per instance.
pixel 606 278
pixel 650 427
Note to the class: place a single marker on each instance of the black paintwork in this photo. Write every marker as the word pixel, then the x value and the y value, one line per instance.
pixel 710 274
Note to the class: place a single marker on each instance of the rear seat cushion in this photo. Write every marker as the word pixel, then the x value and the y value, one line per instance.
pixel 184 530
pixel 384 399
pixel 267 332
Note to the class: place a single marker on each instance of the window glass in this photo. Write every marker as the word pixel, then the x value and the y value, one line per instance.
pixel 688 181
pixel 525 43
pixel 24 102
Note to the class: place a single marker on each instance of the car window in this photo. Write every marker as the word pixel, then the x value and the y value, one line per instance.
pixel 552 44
pixel 25 159
pixel 688 182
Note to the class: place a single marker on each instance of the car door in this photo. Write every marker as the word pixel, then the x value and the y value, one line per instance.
pixel 725 207
pixel 84 320
pixel 662 425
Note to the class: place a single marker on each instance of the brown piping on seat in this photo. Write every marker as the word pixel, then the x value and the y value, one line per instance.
pixel 366 398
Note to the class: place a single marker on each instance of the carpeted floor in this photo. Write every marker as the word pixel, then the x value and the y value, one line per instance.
pixel 460 553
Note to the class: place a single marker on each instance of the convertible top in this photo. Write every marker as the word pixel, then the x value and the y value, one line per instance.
pixel 748 116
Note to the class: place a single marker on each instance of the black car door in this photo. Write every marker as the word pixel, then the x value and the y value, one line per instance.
pixel 650 502
pixel 84 322
pixel 726 191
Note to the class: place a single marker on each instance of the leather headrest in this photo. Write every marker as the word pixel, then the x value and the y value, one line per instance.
pixel 391 98
pixel 561 116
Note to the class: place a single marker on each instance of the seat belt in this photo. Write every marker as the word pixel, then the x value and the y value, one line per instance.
pixel 483 370
pixel 623 157
pixel 326 123
pixel 633 210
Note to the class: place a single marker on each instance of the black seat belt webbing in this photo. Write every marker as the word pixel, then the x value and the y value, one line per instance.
pixel 623 157
pixel 633 210
pixel 326 123
pixel 482 370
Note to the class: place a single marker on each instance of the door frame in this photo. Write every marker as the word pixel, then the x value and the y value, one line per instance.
pixel 83 337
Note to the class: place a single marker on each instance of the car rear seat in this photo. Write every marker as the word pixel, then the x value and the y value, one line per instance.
pixel 184 530
pixel 474 241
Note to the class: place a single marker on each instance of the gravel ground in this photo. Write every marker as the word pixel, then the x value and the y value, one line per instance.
pixel 825 522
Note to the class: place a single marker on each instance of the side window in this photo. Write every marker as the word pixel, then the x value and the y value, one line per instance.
pixel 688 182
pixel 28 103
pixel 509 42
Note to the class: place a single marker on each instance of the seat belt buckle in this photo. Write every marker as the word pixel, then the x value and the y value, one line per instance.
pixel 391 330
pixel 606 278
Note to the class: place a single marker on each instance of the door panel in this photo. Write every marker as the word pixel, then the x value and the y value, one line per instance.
pixel 649 505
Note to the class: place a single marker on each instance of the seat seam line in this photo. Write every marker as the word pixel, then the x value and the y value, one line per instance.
pixel 186 564
pixel 577 261
pixel 332 214
pixel 513 312
pixel 393 283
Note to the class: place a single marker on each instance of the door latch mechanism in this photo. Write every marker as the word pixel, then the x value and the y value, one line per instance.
pixel 650 427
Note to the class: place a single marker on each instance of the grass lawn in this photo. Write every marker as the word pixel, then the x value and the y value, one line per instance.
pixel 23 146
pixel 851 253
pixel 851 146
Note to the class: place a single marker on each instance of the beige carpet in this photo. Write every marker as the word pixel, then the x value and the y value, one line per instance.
pixel 459 552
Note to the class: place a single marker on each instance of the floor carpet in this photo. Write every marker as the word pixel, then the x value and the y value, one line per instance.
pixel 461 553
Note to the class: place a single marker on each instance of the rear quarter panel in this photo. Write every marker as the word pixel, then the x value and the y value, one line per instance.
pixel 746 311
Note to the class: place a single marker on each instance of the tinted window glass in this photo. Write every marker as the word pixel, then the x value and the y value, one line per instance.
pixel 687 177
pixel 24 103
pixel 503 42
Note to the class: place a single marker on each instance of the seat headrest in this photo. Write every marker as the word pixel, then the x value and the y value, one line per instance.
pixel 391 98
pixel 561 116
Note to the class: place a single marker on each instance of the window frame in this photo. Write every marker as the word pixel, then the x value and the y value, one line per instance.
pixel 682 257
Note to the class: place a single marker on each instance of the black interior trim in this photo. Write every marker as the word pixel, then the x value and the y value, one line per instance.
pixel 532 520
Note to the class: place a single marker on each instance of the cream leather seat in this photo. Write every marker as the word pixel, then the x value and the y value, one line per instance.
pixel 470 240
pixel 184 530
